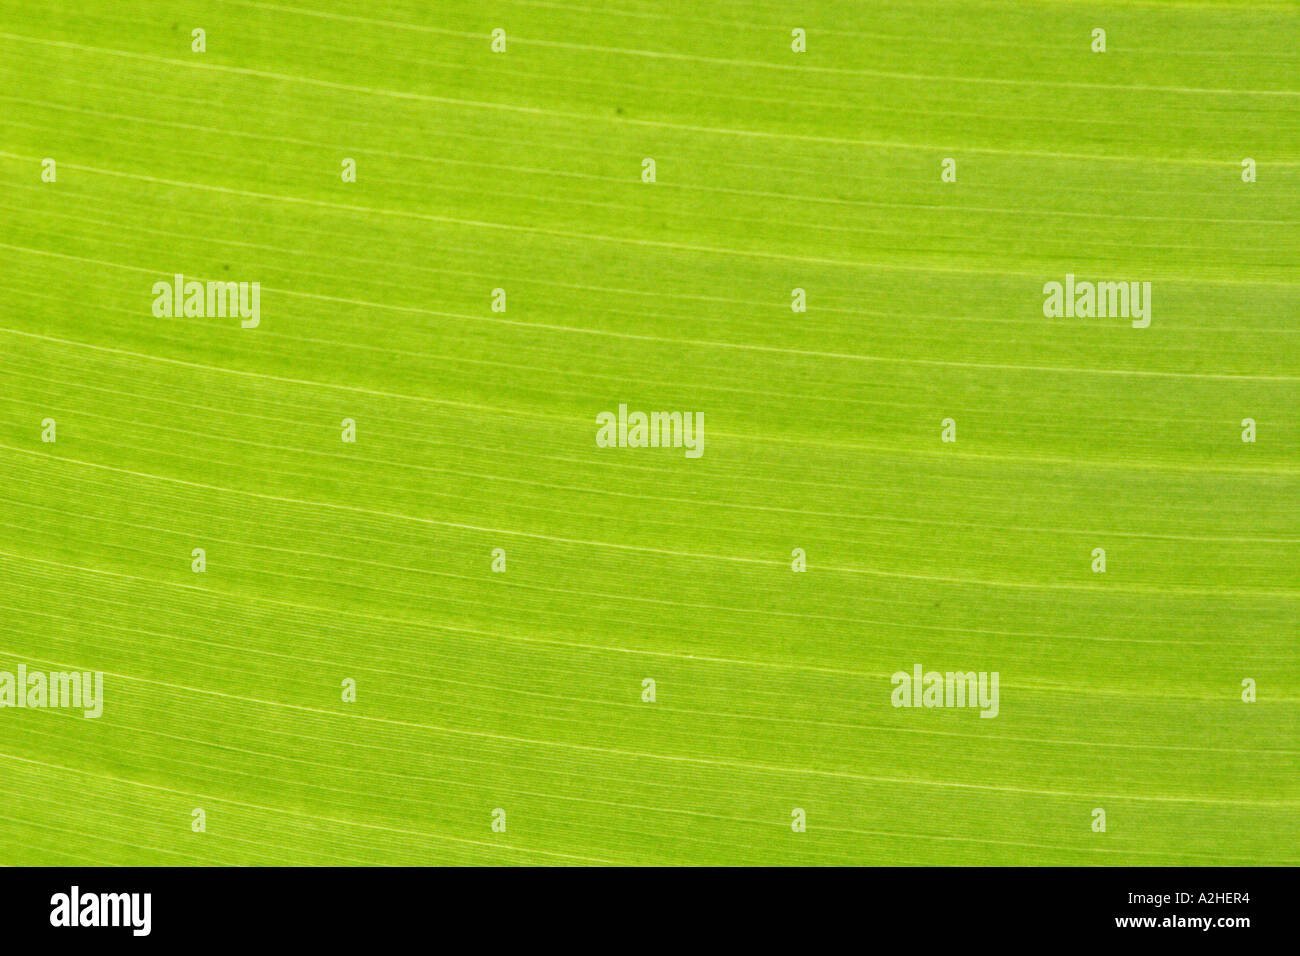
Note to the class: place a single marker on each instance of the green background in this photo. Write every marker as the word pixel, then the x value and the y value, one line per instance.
pixel 475 431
